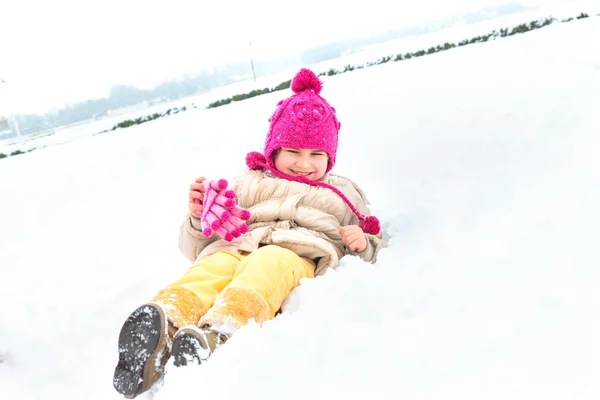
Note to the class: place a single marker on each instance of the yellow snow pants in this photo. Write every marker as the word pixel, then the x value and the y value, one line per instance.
pixel 226 289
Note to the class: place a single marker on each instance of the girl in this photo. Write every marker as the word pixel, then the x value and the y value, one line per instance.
pixel 302 220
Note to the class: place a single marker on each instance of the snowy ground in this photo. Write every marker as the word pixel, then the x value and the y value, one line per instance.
pixel 481 163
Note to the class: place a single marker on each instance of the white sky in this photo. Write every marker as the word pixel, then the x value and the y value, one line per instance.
pixel 53 52
pixel 488 289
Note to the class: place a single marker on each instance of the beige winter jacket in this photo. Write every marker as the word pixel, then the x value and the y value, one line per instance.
pixel 305 219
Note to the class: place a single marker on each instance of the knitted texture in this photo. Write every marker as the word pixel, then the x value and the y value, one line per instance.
pixel 220 213
pixel 369 224
pixel 303 121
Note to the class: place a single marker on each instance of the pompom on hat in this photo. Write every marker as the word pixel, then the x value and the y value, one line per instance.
pixel 305 120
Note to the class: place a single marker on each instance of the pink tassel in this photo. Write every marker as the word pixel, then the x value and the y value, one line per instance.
pixel 225 201
pixel 218 185
pixel 226 216
pixel 371 225
pixel 240 213
pixel 232 229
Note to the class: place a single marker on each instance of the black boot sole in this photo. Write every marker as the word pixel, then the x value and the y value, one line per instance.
pixel 142 339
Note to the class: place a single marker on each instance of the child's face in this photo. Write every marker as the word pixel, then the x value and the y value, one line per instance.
pixel 310 164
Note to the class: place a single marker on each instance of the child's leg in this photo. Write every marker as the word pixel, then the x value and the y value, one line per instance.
pixel 144 341
pixel 261 282
pixel 188 298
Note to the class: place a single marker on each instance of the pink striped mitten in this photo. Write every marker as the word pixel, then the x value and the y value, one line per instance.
pixel 221 214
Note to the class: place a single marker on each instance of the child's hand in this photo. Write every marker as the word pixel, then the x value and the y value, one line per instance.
pixel 220 212
pixel 354 238
pixel 196 197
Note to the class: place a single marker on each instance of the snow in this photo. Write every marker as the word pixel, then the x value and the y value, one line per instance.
pixel 481 162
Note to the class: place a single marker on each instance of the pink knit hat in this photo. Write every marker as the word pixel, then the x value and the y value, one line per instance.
pixel 304 120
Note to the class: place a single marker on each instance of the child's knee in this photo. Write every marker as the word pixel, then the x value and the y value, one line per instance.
pixel 277 260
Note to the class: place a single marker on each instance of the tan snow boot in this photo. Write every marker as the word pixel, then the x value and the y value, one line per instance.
pixel 143 350
pixel 193 346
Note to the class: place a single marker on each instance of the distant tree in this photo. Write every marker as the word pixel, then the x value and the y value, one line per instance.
pixel 3 123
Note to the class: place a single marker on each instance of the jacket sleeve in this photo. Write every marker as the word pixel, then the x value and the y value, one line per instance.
pixel 191 239
pixel 374 242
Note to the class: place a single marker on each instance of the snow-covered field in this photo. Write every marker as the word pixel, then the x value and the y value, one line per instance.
pixel 481 163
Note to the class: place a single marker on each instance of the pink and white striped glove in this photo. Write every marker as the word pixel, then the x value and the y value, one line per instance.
pixel 220 213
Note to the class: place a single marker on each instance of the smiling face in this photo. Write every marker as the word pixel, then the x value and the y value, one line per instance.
pixel 311 164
